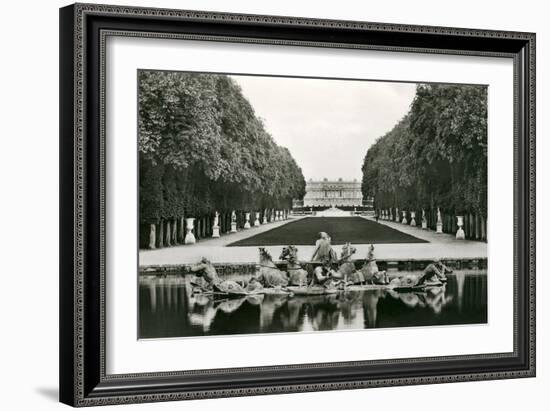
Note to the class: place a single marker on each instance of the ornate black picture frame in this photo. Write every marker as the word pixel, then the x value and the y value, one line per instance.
pixel 83 30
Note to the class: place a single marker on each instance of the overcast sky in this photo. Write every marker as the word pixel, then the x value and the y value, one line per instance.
pixel 327 125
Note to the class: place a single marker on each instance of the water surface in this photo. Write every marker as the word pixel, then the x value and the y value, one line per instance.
pixel 167 309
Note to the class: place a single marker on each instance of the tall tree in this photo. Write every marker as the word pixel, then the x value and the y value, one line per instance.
pixel 203 149
pixel 436 155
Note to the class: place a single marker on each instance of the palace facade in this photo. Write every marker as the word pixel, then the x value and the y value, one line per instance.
pixel 328 193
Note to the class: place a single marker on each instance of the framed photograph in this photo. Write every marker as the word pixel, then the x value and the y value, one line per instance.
pixel 262 204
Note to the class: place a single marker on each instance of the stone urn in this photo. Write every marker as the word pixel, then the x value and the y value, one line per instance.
pixel 246 220
pixel 404 221
pixel 460 235
pixel 189 226
pixel 413 221
pixel 233 222
pixel 257 219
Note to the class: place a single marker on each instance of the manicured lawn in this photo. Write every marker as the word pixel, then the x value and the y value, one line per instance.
pixel 355 230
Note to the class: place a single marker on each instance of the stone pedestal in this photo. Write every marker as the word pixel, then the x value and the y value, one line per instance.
pixel 189 226
pixel 460 235
pixel 257 220
pixel 413 221
pixel 439 224
pixel 404 221
pixel 233 222
pixel 246 220
pixel 396 215
pixel 264 220
pixel 216 227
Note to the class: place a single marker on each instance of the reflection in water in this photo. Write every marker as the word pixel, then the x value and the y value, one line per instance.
pixel 168 309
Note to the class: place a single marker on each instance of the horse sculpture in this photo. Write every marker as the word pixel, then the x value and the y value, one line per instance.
pixel 296 274
pixel 211 281
pixel 269 275
pixel 346 269
pixel 370 270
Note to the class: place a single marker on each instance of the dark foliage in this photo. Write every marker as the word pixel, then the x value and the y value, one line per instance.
pixel 436 156
pixel 203 149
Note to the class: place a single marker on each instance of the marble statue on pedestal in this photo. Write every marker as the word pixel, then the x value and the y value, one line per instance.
pixel 216 227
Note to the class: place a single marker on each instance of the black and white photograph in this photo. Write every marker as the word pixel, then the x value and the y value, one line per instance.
pixel 269 205
pixel 281 204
